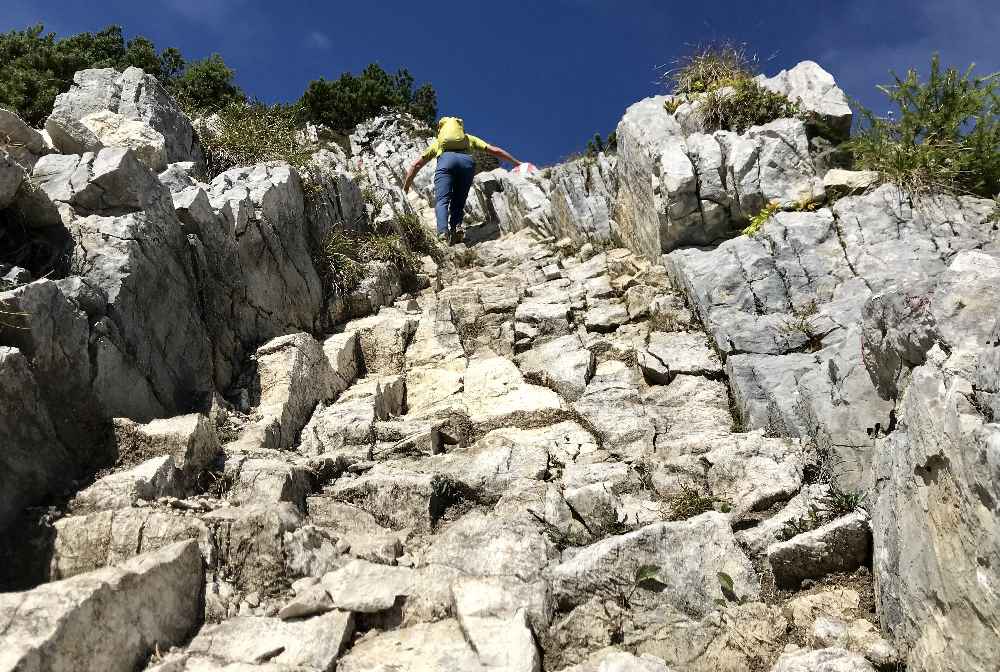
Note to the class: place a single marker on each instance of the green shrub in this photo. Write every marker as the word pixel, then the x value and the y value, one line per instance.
pixel 253 132
pixel 206 86
pixel 709 66
pixel 36 66
pixel 597 144
pixel 746 104
pixel 346 102
pixel 689 502
pixel 946 136
pixel 417 236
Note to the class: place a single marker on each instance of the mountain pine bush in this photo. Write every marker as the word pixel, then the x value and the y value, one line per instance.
pixel 345 102
pixel 946 136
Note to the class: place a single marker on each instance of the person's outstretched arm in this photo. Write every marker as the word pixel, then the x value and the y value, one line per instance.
pixel 414 169
pixel 502 154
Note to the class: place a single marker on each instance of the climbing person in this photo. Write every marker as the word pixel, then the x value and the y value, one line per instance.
pixel 453 176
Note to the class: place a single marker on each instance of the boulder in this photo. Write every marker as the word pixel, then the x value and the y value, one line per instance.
pixel 313 643
pixel 692 584
pixel 154 478
pixel 669 354
pixel 11 176
pixel 133 95
pixel 840 182
pixel 612 405
pixel 114 130
pixel 823 660
pixel 294 375
pixel 88 542
pixel 487 545
pixel 495 393
pixel 814 89
pixel 33 460
pixel 383 339
pixel 582 198
pixel 190 440
pixel 842 545
pixel 562 364
pixel 148 604
pixel 433 647
pixel 23 143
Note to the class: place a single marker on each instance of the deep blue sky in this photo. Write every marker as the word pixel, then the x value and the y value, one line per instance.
pixel 538 77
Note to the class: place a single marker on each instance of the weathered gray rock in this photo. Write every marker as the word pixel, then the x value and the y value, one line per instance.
pixel 620 661
pixel 611 403
pixel 349 423
pixel 840 182
pixel 154 478
pixel 33 460
pixel 934 534
pixel 312 644
pixel 254 261
pixel 485 545
pixel 495 392
pixel 368 588
pixel 669 354
pixel 149 603
pixel 774 528
pixel 23 143
pixel 434 647
pixel 561 364
pixel 84 543
pixel 823 660
pixel 839 546
pixel 70 135
pixel 135 96
pixel 605 316
pixel 383 339
pixel 752 472
pixel 190 440
pixel 858 636
pixel 114 130
pixel 582 198
pixel 11 176
pixel 692 584
pixel 792 303
pixel 263 481
pixel 294 375
pixel 816 92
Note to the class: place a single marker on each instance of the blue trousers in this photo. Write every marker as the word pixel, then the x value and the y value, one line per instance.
pixel 452 181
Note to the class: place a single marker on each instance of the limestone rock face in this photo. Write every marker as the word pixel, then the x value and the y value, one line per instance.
pixel 549 453
pixel 135 96
pixel 583 195
pixel 786 307
pixel 33 458
pixel 11 176
pixel 114 130
pixel 814 89
pixel 149 603
pixel 692 585
pixel 23 143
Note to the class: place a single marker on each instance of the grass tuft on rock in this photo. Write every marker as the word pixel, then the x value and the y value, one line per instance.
pixel 742 104
pixel 247 133
pixel 719 78
pixel 711 65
